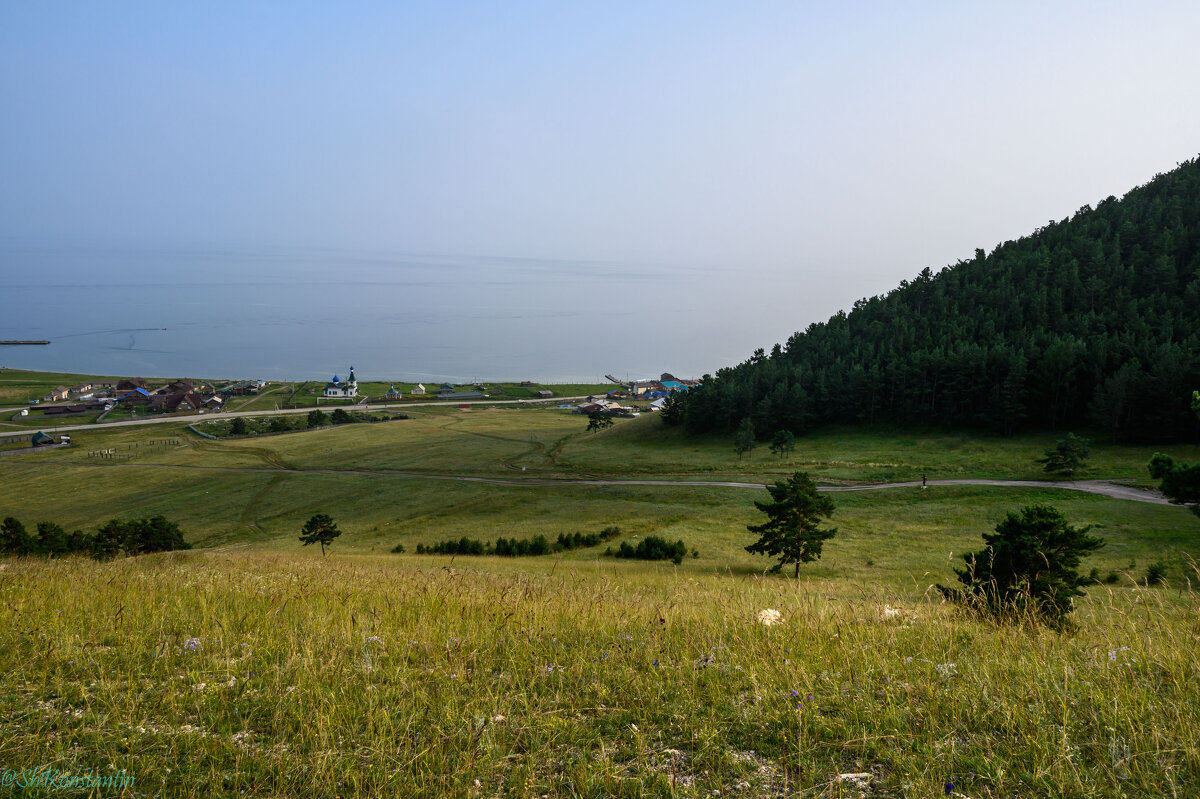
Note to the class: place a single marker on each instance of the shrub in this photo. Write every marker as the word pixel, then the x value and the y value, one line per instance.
pixel 1156 573
pixel 1067 455
pixel 462 546
pixel 1029 565
pixel 653 548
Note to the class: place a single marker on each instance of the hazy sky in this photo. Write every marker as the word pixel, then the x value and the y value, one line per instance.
pixel 856 142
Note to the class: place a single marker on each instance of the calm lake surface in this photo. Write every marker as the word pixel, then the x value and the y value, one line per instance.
pixel 307 315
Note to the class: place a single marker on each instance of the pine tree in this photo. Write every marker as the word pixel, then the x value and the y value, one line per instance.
pixel 783 443
pixel 1029 564
pixel 320 529
pixel 792 532
pixel 1067 455
pixel 743 439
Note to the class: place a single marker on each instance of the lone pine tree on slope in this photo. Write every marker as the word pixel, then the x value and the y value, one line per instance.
pixel 320 529
pixel 792 532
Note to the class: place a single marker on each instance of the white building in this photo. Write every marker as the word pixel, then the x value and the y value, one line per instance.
pixel 339 388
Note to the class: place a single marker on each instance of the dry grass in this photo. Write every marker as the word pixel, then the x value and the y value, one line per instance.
pixel 234 673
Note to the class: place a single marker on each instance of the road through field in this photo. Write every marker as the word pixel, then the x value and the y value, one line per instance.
pixel 1101 487
pixel 192 419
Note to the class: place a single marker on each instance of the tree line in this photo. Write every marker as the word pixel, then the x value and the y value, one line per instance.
pixel 1093 321
pixel 115 537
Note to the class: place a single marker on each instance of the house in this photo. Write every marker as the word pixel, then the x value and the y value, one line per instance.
pixel 419 389
pixel 216 402
pixel 185 402
pixel 130 385
pixel 60 393
pixel 594 405
pixel 446 388
pixel 340 388
pixel 139 396
pixel 81 388
pixel 243 387
pixel 41 439
pixel 189 401
pixel 393 394
pixel 545 393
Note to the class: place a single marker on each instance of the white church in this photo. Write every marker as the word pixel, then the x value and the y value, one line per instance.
pixel 339 388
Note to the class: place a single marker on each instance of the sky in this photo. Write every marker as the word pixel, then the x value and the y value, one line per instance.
pixel 836 147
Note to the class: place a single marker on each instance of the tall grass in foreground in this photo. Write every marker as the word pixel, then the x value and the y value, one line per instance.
pixel 208 674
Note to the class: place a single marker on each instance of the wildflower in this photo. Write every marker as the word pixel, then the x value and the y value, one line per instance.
pixel 374 638
pixel 890 612
pixel 497 719
pixel 769 616
pixel 191 644
pixel 947 669
pixel 948 787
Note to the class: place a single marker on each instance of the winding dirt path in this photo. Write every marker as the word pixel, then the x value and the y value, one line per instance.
pixel 1100 487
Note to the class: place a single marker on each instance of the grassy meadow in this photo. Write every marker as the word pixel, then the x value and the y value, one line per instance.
pixel 273 674
pixel 253 666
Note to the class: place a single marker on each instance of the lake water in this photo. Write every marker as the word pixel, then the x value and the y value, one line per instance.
pixel 308 315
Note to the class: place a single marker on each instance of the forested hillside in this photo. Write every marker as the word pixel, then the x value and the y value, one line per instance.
pixel 1092 321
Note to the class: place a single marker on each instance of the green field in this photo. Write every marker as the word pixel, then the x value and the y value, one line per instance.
pixel 367 673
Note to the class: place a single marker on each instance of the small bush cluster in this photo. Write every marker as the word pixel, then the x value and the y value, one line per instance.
pixel 652 548
pixel 517 547
pixel 115 537
pixel 585 540
pixel 463 546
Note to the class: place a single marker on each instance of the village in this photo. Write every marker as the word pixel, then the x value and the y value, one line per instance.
pixel 130 399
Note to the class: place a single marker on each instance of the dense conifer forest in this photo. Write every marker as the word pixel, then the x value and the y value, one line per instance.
pixel 1093 321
